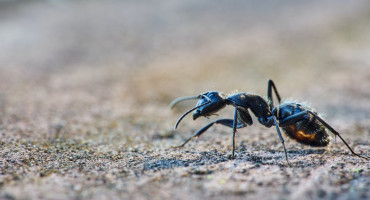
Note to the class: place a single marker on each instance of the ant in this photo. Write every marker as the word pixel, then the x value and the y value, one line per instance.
pixel 298 121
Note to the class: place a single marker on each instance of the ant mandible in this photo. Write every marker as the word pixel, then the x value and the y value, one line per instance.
pixel 298 121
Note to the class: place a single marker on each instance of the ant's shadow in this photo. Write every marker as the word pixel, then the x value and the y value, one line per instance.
pixel 211 157
pixel 201 159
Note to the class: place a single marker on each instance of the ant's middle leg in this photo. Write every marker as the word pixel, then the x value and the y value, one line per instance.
pixel 281 139
pixel 225 122
pixel 270 86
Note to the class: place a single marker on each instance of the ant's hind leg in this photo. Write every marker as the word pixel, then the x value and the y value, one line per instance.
pixel 225 122
pixel 270 86
pixel 337 134
pixel 296 117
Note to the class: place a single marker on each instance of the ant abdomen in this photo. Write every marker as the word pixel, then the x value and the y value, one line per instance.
pixel 312 133
pixel 305 129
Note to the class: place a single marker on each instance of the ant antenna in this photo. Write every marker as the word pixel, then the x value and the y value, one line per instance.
pixel 191 110
pixel 178 100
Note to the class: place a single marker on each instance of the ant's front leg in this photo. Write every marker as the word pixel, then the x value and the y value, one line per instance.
pixel 225 122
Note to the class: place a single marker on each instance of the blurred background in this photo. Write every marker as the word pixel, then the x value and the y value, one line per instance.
pixel 62 61
pixel 102 73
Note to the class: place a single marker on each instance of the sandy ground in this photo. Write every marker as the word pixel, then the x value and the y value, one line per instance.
pixel 85 91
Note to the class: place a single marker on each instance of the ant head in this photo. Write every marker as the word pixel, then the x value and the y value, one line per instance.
pixel 209 103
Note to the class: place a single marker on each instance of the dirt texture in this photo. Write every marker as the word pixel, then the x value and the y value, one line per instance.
pixel 85 88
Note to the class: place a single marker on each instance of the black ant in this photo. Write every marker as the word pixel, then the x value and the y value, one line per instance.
pixel 299 122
